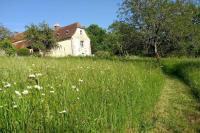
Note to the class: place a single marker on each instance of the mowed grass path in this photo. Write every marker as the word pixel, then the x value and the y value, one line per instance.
pixel 77 95
pixel 177 110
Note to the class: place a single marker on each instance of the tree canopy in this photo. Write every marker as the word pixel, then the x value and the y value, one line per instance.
pixel 41 37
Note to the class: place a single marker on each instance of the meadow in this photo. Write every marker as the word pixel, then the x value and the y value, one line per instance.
pixel 77 94
pixel 187 69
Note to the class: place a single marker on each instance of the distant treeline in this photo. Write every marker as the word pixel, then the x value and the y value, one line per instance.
pixel 151 28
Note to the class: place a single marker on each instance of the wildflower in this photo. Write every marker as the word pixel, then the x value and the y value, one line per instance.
pixel 38 74
pixel 73 87
pixel 7 85
pixel 43 94
pixel 78 98
pixel 18 93
pixel 62 112
pixel 80 80
pixel 32 76
pixel 52 91
pixel 25 92
pixel 15 106
pixel 77 89
pixel 1 89
pixel 14 83
pixel 38 87
pixel 29 87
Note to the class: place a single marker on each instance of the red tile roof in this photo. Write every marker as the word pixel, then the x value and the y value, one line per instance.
pixel 62 33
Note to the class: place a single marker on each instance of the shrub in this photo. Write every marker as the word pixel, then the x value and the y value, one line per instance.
pixel 23 52
pixel 8 47
pixel 103 54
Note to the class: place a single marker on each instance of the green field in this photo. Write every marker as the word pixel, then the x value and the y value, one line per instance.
pixel 77 94
pixel 95 95
pixel 186 69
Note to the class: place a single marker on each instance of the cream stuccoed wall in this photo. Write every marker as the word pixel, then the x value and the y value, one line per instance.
pixel 76 43
pixel 64 49
pixel 73 46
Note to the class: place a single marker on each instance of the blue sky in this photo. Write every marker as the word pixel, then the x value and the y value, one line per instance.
pixel 15 14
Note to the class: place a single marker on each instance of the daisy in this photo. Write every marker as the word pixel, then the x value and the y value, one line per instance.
pixel 25 92
pixel 38 74
pixel 7 85
pixel 18 93
pixel 15 106
pixel 52 91
pixel 73 87
pixel 80 80
pixel 38 87
pixel 32 76
pixel 62 112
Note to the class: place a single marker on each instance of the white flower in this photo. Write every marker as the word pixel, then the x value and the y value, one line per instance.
pixel 43 94
pixel 29 87
pixel 31 76
pixel 38 87
pixel 25 92
pixel 77 89
pixel 73 87
pixel 52 91
pixel 15 106
pixel 1 89
pixel 62 112
pixel 78 98
pixel 7 85
pixel 80 80
pixel 18 93
pixel 38 74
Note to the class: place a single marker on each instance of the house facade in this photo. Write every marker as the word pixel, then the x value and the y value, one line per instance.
pixel 72 40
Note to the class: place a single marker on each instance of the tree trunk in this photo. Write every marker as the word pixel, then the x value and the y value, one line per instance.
pixel 156 52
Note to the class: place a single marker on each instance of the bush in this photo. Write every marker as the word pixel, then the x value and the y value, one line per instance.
pixel 103 54
pixel 8 47
pixel 23 52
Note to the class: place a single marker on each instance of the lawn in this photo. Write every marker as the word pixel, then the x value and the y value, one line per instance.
pixel 77 94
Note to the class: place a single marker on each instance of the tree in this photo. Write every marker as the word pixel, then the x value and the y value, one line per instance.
pixel 125 39
pixel 4 33
pixel 8 47
pixel 97 36
pixel 165 24
pixel 41 37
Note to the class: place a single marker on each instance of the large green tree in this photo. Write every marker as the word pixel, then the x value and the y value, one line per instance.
pixel 97 36
pixel 4 32
pixel 41 37
pixel 166 25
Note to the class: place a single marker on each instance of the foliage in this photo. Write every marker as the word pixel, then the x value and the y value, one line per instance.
pixel 8 47
pixel 4 33
pixel 97 36
pixel 77 95
pixel 23 52
pixel 41 37
pixel 166 25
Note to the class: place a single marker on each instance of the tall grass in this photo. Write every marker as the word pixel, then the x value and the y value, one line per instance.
pixel 76 94
pixel 187 69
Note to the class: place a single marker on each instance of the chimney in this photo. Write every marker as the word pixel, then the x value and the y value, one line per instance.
pixel 56 26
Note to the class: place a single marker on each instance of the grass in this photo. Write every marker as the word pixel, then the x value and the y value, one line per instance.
pixel 77 94
pixel 186 69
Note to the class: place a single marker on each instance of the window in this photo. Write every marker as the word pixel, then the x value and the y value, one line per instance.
pixel 81 32
pixel 82 44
